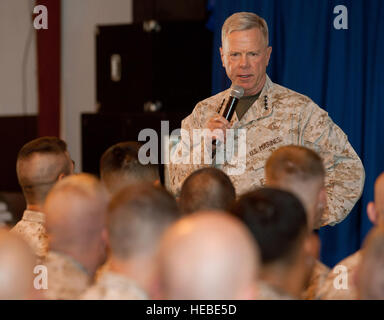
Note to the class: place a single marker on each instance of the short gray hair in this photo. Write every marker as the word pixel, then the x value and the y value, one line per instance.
pixel 244 21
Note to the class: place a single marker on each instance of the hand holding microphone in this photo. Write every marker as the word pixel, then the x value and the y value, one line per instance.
pixel 222 122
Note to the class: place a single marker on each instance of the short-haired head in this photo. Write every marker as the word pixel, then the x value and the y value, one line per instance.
pixel 277 220
pixel 244 21
pixel 208 255
pixel 370 275
pixel 40 164
pixel 76 210
pixel 138 216
pixel 299 170
pixel 120 166
pixel 16 267
pixel 206 189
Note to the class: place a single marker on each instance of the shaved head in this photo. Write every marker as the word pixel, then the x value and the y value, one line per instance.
pixel 40 163
pixel 120 166
pixel 16 267
pixel 208 255
pixel 379 194
pixel 370 279
pixel 76 212
pixel 138 216
pixel 207 189
pixel 299 170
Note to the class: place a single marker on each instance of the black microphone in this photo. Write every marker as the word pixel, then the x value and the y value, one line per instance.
pixel 236 93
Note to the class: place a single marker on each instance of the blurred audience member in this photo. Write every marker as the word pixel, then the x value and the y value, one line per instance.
pixel 40 164
pixel 208 255
pixel 301 171
pixel 370 271
pixel 76 212
pixel 17 262
pixel 278 222
pixel 120 166
pixel 138 216
pixel 206 189
pixel 339 284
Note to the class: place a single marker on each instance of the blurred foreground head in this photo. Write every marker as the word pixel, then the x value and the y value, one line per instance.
pixel 138 216
pixel 76 215
pixel 278 223
pixel 120 166
pixel 40 164
pixel 16 268
pixel 207 189
pixel 370 275
pixel 301 171
pixel 375 210
pixel 208 255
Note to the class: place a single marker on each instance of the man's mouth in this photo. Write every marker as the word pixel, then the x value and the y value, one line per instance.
pixel 244 76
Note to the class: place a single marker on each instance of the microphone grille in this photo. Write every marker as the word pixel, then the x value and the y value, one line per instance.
pixel 237 92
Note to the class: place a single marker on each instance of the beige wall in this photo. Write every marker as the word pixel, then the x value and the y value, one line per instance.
pixel 78 86
pixel 79 20
pixel 18 81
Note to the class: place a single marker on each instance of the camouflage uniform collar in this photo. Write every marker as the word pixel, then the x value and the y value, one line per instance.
pixel 269 292
pixel 70 261
pixel 34 216
pixel 260 109
pixel 117 280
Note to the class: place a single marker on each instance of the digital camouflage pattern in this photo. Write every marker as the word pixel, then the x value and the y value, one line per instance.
pixel 268 292
pixel 279 117
pixel 319 274
pixel 114 286
pixel 32 229
pixel 329 292
pixel 67 279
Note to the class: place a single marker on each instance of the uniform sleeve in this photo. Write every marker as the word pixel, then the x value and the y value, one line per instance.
pixel 185 158
pixel 345 173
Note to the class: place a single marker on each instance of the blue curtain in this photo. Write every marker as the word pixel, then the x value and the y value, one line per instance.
pixel 341 70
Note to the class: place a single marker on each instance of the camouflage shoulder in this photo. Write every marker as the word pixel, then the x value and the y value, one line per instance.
pixel 290 97
pixel 212 103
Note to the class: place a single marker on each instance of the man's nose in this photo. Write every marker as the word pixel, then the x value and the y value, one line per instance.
pixel 243 61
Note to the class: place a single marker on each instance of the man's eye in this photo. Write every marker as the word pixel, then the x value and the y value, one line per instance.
pixel 234 54
pixel 253 54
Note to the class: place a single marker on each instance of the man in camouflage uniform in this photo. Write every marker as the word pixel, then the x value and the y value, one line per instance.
pixel 271 116
pixel 278 223
pixel 40 164
pixel 300 170
pixel 76 211
pixel 345 270
pixel 138 215
pixel 208 255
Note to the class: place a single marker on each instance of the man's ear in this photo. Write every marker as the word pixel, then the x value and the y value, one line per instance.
pixel 269 51
pixel 321 204
pixel 222 56
pixel 61 176
pixel 312 245
pixel 372 213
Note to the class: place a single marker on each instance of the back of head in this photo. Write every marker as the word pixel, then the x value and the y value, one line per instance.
pixel 207 189
pixel 370 280
pixel 138 216
pixel 301 171
pixel 278 222
pixel 120 166
pixel 76 212
pixel 40 163
pixel 241 21
pixel 208 255
pixel 379 198
pixel 16 267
